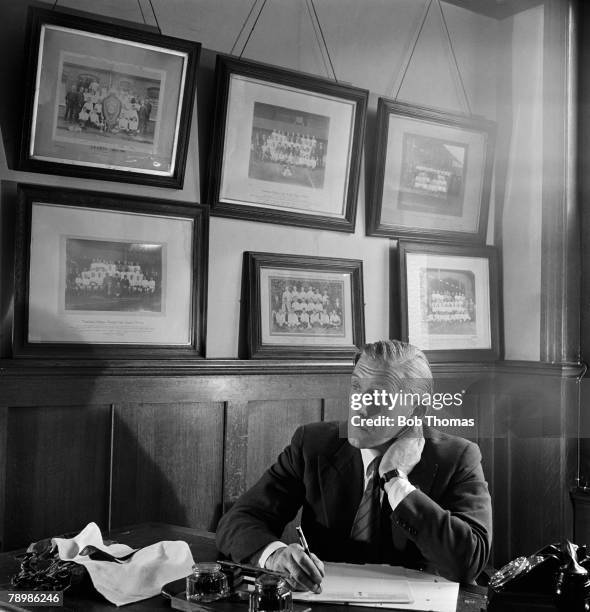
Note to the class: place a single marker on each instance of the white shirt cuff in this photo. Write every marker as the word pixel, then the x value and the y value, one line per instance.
pixel 397 489
pixel 267 552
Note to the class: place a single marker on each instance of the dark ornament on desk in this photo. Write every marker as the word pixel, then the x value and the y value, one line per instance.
pixel 553 578
pixel 573 584
pixel 41 569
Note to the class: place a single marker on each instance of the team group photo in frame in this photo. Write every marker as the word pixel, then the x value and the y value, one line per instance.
pixel 449 300
pixel 303 306
pixel 432 176
pixel 100 105
pixel 287 146
pixel 108 275
pixel 115 103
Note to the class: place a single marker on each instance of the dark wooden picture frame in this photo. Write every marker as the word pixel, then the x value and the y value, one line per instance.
pixel 333 305
pixel 106 129
pixel 432 175
pixel 450 300
pixel 292 157
pixel 66 306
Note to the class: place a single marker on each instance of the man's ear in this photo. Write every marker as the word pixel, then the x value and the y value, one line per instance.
pixel 419 410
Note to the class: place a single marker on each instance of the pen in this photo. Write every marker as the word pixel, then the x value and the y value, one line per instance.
pixel 306 550
pixel 303 541
pixel 251 568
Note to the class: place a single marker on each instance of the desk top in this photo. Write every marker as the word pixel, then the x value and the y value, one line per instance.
pixel 202 545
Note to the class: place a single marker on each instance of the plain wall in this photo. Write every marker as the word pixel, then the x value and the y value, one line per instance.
pixel 522 207
pixel 368 42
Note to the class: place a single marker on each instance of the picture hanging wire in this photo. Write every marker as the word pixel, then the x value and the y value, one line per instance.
pixel 412 48
pixel 54 5
pixel 155 18
pixel 315 22
pixel 141 11
pixel 253 27
pixel 243 27
pixel 458 70
pixel 326 67
pixel 413 44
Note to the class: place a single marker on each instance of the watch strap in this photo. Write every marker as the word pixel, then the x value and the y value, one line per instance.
pixel 390 475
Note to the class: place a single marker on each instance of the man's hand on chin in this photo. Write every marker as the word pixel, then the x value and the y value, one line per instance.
pixel 305 573
pixel 404 453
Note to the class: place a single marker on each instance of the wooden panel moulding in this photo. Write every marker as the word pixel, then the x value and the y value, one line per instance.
pixel 47 389
pixel 560 247
pixel 256 432
pixel 336 409
pixel 56 471
pixel 3 464
pixel 167 464
pixel 27 384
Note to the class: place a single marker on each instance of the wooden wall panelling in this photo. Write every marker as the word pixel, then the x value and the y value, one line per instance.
pixel 56 471
pixel 267 427
pixel 164 382
pixel 581 505
pixel 259 431
pixel 501 485
pixel 541 452
pixel 235 462
pixel 468 388
pixel 336 409
pixel 3 460
pixel 167 464
pixel 488 438
pixel 524 419
pixel 535 491
pixel 582 499
pixel 570 450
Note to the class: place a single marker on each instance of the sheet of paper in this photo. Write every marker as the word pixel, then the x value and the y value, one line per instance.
pixel 426 591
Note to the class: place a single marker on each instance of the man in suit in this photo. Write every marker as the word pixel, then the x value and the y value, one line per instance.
pixel 389 491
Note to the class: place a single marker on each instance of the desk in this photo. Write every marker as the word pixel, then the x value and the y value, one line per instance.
pixel 202 545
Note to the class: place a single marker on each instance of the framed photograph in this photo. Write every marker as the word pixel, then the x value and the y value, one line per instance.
pixel 108 276
pixel 302 306
pixel 287 147
pixel 107 102
pixel 450 301
pixel 433 175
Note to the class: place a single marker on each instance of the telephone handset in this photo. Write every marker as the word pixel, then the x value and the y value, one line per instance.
pixel 553 578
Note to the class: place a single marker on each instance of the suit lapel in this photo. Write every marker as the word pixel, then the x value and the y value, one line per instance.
pixel 341 481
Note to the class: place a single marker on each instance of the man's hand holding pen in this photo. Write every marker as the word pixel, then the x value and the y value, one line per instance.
pixel 305 570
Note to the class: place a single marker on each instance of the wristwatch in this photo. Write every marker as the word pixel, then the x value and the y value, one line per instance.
pixel 395 473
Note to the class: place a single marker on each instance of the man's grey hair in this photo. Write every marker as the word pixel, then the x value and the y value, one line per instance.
pixel 407 363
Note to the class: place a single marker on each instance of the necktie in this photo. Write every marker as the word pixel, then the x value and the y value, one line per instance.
pixel 365 527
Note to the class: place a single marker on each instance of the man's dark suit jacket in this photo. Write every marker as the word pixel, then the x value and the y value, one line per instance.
pixel 444 526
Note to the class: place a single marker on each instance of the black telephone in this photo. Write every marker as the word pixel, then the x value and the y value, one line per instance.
pixel 554 578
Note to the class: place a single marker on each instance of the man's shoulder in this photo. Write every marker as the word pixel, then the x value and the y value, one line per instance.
pixel 322 438
pixel 445 447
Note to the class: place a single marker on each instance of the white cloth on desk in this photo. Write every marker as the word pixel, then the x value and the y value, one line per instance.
pixel 139 577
